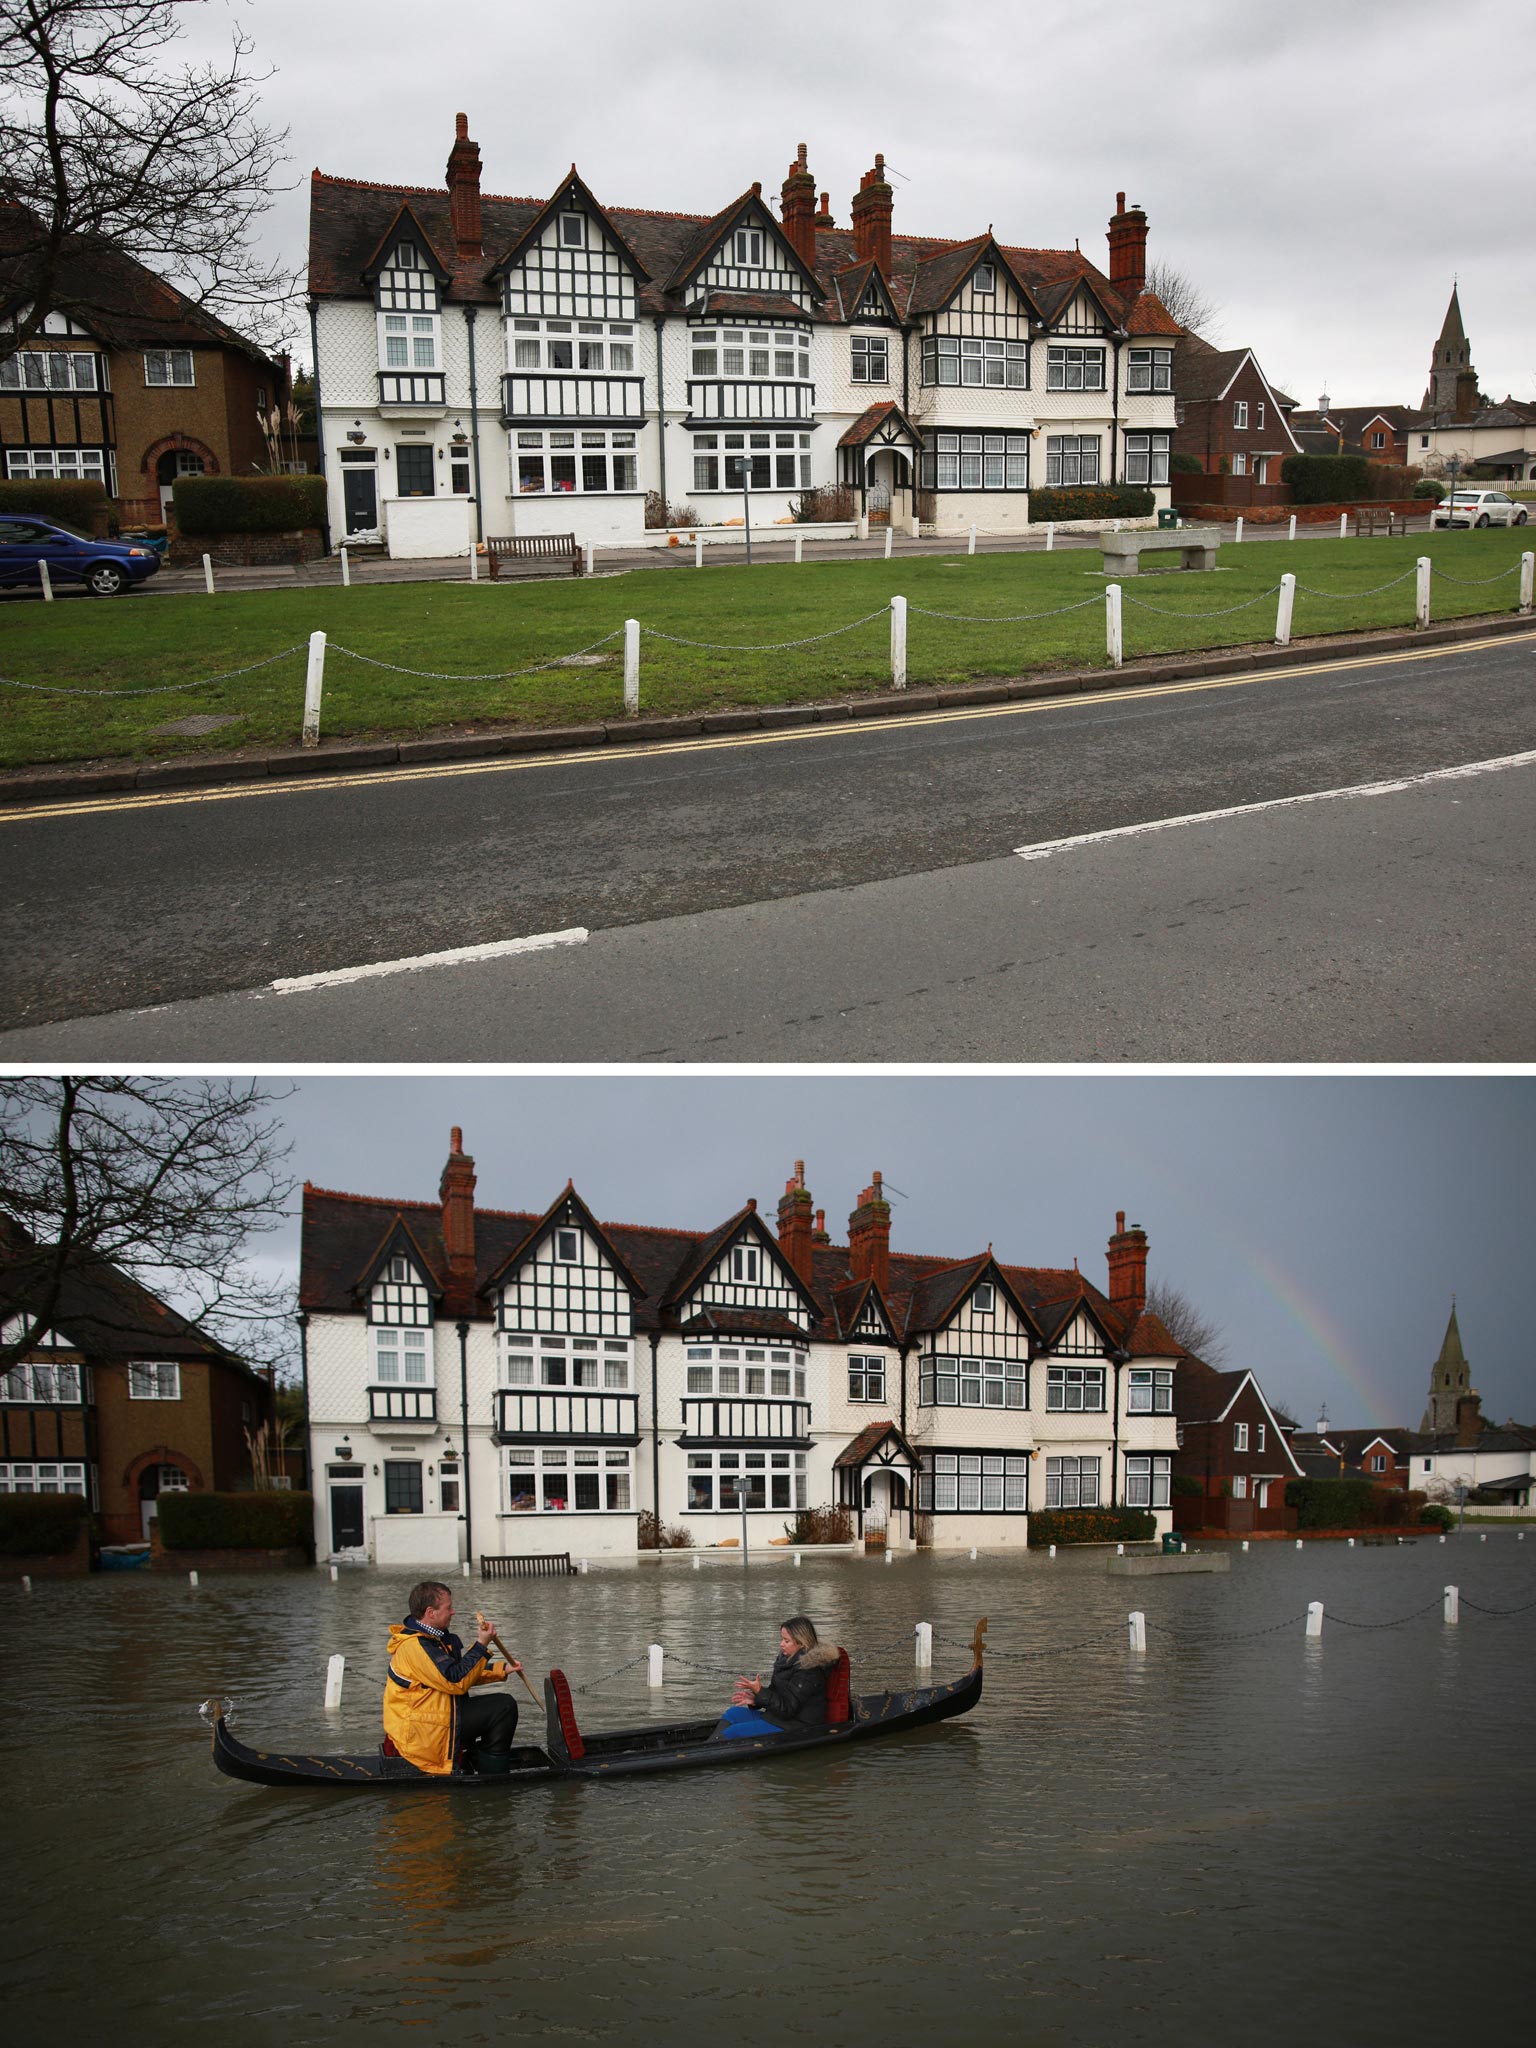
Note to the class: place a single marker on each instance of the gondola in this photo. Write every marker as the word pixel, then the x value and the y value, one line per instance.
pixel 621 1753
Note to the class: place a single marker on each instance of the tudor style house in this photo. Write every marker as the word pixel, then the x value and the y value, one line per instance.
pixel 1235 1446
pixel 485 1382
pixel 121 1399
pixel 516 366
pixel 132 385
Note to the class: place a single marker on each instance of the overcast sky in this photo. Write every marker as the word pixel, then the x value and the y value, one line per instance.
pixel 1326 1223
pixel 1322 170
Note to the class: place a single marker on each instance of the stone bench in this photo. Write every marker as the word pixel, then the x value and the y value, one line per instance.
pixel 1122 551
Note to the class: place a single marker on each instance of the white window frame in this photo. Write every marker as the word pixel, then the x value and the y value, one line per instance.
pixel 975 462
pixel 47 464
pixel 568 239
pixel 46 1475
pixel 1240 1486
pixel 870 359
pixel 571 347
pixel 172 362
pixel 576 461
pixel 1239 464
pixel 1258 1442
pixel 984 1298
pixel 1071 367
pixel 746 1264
pixel 564 1237
pixel 780 461
pixel 612 1467
pixel 944 1381
pixel 1149 369
pixel 565 1363
pixel 22 1384
pixel 166 1385
pixel 1149 1390
pixel 760 355
pixel 1146 458
pixel 781 1477
pixel 1378 1462
pixel 748 246
pixel 981 362
pixel 1258 415
pixel 38 369
pixel 1148 1480
pixel 973 1483
pixel 1072 1481
pixel 1062 1382
pixel 1240 412
pixel 1239 1436
pixel 866 1376
pixel 752 1372
pixel 984 278
pixel 1072 460
pixel 400 1355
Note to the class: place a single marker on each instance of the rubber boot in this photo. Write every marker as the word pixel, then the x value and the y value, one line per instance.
pixel 494 1763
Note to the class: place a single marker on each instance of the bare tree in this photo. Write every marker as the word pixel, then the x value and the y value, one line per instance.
pixel 165 1179
pixel 107 142
pixel 1188 1325
pixel 1189 303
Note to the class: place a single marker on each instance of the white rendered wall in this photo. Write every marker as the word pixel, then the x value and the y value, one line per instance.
pixel 427 527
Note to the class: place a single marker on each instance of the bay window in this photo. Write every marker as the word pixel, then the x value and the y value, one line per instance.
pixel 973 1483
pixel 726 1481
pixel 46 1386
pixel 592 1363
pixel 53 1477
pixel 1151 1391
pixel 589 345
pixel 48 370
pixel 734 1370
pixel 972 1383
pixel 1071 1482
pixel 557 1479
pixel 49 463
pixel 956 359
pixel 1150 369
pixel 772 353
pixel 1071 459
pixel 778 461
pixel 586 462
pixel 975 462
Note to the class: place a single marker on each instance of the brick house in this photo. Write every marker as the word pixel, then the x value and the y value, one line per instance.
pixel 533 365
pixel 1231 420
pixel 507 1382
pixel 1380 1455
pixel 122 1400
pixel 131 384
pixel 1232 1444
pixel 1378 432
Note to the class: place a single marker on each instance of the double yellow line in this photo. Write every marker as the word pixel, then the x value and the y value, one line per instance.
pixel 596 757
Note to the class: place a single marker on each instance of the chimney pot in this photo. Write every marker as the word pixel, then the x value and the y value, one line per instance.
pixel 456 1192
pixel 797 209
pixel 464 189
pixel 1128 1267
pixel 872 206
pixel 1128 249
pixel 795 1234
pixel 869 1237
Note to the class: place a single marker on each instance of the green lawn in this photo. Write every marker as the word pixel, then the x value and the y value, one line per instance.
pixel 129 644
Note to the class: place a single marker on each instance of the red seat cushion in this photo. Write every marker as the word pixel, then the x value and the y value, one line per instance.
pixel 838 1687
pixel 567 1713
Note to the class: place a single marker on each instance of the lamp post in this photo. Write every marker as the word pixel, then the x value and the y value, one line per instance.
pixel 746 500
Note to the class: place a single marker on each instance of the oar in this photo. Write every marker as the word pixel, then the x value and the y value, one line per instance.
pixel 500 1645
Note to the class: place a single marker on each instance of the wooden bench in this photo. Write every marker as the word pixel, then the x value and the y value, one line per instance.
pixel 1196 545
pixel 1383 521
pixel 556 1566
pixel 557 549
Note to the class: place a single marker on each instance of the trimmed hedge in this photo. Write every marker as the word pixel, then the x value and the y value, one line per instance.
pixel 235 1521
pixel 41 1524
pixel 1126 501
pixel 1351 1504
pixel 249 504
pixel 1180 464
pixel 1436 1518
pixel 1327 479
pixel 1428 487
pixel 1187 1486
pixel 1092 1525
pixel 72 501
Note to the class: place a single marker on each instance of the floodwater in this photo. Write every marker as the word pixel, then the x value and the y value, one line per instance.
pixel 1242 1839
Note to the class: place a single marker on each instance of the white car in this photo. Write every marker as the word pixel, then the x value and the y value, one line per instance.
pixel 1478 508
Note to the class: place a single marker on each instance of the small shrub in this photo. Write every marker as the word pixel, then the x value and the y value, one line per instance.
pixel 1328 479
pixel 659 514
pixel 235 1521
pixel 249 504
pixel 1338 1503
pixel 821 1525
pixel 1428 487
pixel 1126 501
pixel 654 1534
pixel 1091 1525
pixel 1180 464
pixel 71 501
pixel 40 1524
pixel 1186 1484
pixel 828 504
pixel 1436 1518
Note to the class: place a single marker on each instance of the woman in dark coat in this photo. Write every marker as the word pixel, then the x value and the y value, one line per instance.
pixel 794 1700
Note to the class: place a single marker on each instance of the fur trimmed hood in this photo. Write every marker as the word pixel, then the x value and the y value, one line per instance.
pixel 819 1657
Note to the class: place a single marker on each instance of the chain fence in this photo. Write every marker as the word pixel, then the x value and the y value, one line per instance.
pixel 1226 611
pixel 1524 1608
pixel 434 675
pixel 1004 618
pixel 763 646
pixel 1340 596
pixel 1344 1621
pixel 155 689
pixel 1478 582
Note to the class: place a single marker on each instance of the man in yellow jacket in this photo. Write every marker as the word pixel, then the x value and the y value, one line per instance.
pixel 428 1712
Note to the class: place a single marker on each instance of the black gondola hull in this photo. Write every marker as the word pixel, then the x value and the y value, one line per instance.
pixel 620 1753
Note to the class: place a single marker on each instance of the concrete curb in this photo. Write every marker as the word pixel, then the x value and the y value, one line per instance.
pixel 51 785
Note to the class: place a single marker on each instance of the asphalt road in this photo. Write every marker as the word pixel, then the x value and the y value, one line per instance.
pixel 837 892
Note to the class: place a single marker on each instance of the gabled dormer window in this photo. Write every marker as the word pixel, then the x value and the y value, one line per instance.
pixel 573 231
pixel 568 1247
pixel 747 247
pixel 746 1262
pixel 407 285
pixel 983 1298
pixel 985 279
pixel 399 1296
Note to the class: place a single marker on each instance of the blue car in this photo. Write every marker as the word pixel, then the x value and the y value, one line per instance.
pixel 105 567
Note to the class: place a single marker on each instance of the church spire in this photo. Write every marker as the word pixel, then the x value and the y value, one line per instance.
pixel 1452 383
pixel 1449 1379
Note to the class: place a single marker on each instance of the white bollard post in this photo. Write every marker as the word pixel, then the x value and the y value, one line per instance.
pixel 917 527
pixel 1287 607
pixel 46 580
pixel 590 553
pixel 26 1582
pixel 1421 592
pixel 696 1564
pixel 631 667
pixel 654 1656
pixel 335 1574
pixel 1245 1543
pixel 1483 1538
pixel 1050 535
pixel 924 1634
pixel 898 643
pixel 1351 1542
pixel 1053 1550
pixel 346 569
pixel 1112 626
pixel 799 547
pixel 335 1672
pixel 1138 1622
pixel 1452 1606
pixel 1442 1539
pixel 797 1560
pixel 1343 526
pixel 890 1555
pixel 888 537
pixel 1292 534
pixel 1119 1550
pixel 973 1553
pixel 192 1580
pixel 698 549
pixel 971 549
pixel 465 1568
pixel 1527 579
pixel 474 563
pixel 1314 1617
pixel 1117 526
pixel 1239 534
pixel 314 686
pixel 583 1567
pixel 1298 1543
pixel 208 573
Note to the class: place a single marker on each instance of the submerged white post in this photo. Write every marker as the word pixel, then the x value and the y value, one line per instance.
pixel 973 1553
pixel 1050 535
pixel 631 667
pixel 898 643
pixel 890 1555
pixel 26 1582
pixel 1314 1617
pixel 1527 579
pixel 698 549
pixel 1452 1605
pixel 696 1564
pixel 1292 534
pixel 335 1575
pixel 465 1567
pixel 1421 592
pixel 1138 1622
pixel 924 1634
pixel 654 1657
pixel 346 569
pixel 1239 534
pixel 335 1672
pixel 797 1560
pixel 583 1567
pixel 1286 607
pixel 1343 526
pixel 972 547
pixel 1245 1543
pixel 46 580
pixel 208 573
pixel 1113 631
pixel 314 686
pixel 799 545
pixel 192 1580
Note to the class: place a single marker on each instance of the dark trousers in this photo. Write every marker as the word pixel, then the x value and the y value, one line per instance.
pixel 488 1719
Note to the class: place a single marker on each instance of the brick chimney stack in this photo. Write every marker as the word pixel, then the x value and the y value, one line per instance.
pixel 795 1233
pixel 798 208
pixel 1128 249
pixel 824 219
pixel 821 1234
pixel 456 1191
pixel 869 1236
pixel 464 189
pixel 1469 1421
pixel 1128 1266
pixel 872 218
